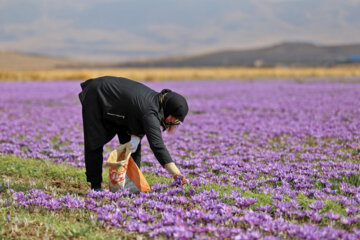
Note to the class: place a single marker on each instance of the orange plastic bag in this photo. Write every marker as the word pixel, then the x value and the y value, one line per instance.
pixel 124 173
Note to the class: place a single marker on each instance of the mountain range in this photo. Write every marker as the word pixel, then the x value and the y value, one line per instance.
pixel 283 54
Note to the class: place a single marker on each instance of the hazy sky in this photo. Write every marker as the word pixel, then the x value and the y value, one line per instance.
pixel 129 29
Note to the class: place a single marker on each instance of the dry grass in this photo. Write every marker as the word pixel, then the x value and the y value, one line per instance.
pixel 158 74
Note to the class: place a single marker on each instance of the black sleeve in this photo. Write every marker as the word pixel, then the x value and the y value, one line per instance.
pixel 153 133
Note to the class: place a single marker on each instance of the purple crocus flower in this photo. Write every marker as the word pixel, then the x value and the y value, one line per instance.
pixel 316 205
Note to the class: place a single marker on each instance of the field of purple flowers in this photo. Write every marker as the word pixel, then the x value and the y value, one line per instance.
pixel 264 159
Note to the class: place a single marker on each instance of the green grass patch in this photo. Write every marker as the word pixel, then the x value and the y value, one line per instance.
pixel 152 178
pixel 24 174
pixel 12 165
pixel 71 224
pixel 304 201
pixel 332 206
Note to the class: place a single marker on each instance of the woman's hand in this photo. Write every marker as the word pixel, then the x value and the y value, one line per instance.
pixel 174 171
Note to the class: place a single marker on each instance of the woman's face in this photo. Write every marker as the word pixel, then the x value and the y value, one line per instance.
pixel 172 128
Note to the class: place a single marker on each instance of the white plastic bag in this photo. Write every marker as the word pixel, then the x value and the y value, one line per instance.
pixel 123 171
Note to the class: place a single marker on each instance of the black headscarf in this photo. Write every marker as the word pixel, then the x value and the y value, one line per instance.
pixel 174 104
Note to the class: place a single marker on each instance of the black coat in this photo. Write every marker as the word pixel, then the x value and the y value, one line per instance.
pixel 113 105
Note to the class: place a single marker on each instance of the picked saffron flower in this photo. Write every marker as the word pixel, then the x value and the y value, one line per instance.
pixel 179 181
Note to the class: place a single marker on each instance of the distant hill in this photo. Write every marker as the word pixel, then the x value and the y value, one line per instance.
pixel 22 61
pixel 16 60
pixel 288 54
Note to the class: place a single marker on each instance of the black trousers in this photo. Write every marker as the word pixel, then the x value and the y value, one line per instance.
pixel 94 161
